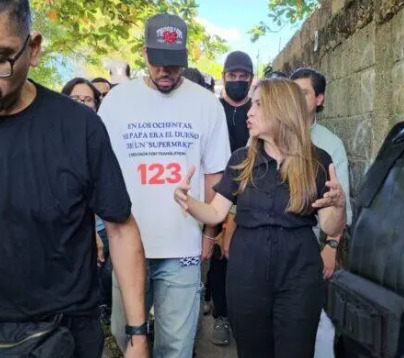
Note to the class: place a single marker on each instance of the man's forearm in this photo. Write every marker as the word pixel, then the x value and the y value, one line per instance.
pixel 129 266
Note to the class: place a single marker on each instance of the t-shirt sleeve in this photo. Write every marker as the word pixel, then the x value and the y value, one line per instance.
pixel 323 172
pixel 106 193
pixel 216 149
pixel 228 185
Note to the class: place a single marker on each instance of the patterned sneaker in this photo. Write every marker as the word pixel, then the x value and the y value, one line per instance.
pixel 221 332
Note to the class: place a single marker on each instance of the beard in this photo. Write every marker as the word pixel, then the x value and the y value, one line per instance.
pixel 166 89
pixel 8 101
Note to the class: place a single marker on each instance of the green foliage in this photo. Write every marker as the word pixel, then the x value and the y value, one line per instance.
pixel 47 74
pixel 53 60
pixel 281 12
pixel 89 31
pixel 205 65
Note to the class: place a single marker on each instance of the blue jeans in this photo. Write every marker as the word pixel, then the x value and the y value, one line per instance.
pixel 174 291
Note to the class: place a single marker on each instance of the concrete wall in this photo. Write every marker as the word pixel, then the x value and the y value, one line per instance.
pixel 359 46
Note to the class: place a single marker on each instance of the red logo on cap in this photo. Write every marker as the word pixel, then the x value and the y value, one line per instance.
pixel 170 37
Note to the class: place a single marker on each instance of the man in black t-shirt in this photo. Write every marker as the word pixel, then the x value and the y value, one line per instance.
pixel 57 169
pixel 237 78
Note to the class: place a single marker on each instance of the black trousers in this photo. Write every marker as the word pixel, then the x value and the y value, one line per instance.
pixel 217 283
pixel 274 292
pixel 88 335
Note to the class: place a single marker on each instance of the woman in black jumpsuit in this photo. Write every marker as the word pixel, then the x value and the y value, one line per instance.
pixel 274 277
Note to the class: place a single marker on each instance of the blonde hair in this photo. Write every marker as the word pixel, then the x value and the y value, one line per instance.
pixel 283 104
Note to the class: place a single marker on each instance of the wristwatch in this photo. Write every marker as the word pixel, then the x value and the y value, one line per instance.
pixel 332 243
pixel 136 330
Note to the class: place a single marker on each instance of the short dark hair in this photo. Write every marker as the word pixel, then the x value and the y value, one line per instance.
pixel 101 80
pixel 194 75
pixel 69 86
pixel 318 80
pixel 20 10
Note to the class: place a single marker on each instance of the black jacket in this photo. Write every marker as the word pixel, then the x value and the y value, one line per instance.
pixel 377 245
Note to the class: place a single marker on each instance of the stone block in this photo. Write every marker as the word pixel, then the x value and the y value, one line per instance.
pixel 367 89
pixel 325 13
pixel 337 6
pixel 356 133
pixel 351 94
pixel 388 8
pixel 342 96
pixel 296 45
pixel 398 35
pixel 398 90
pixel 338 63
pixel 358 137
pixel 324 66
pixel 361 49
pixel 330 105
pixel 314 23
pixel 337 98
pixel 305 32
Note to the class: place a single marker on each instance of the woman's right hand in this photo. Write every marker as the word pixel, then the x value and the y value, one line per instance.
pixel 181 193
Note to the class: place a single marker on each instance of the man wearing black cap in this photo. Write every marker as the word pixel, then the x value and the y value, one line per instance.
pixel 160 126
pixel 237 78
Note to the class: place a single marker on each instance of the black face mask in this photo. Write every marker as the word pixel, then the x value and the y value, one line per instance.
pixel 237 90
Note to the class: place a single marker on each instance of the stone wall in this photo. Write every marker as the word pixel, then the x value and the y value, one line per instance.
pixel 359 46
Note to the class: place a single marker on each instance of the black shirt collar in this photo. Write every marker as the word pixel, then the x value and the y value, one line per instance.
pixel 262 157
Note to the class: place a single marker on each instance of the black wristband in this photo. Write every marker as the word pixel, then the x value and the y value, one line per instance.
pixel 136 330
pixel 332 243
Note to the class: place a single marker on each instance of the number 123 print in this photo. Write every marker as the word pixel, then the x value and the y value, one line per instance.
pixel 158 174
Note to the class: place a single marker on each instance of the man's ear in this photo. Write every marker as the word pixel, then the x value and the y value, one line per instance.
pixel 35 48
pixel 320 99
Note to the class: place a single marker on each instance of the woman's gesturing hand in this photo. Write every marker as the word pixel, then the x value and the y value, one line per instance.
pixel 181 193
pixel 335 196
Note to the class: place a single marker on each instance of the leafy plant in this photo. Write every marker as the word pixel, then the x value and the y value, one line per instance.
pixel 281 12
pixel 87 32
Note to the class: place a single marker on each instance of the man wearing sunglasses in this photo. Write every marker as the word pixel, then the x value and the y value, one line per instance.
pixel 57 169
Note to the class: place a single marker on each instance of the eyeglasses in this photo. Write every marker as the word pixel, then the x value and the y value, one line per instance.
pixel 89 101
pixel 7 65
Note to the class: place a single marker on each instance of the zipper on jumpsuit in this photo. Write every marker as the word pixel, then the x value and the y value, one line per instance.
pixel 234 114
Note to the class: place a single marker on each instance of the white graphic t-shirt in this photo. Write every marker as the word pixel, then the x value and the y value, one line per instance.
pixel 157 138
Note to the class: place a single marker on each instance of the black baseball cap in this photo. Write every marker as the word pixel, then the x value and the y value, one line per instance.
pixel 166 39
pixel 238 61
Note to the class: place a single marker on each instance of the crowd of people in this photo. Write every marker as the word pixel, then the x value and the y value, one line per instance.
pixel 149 177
